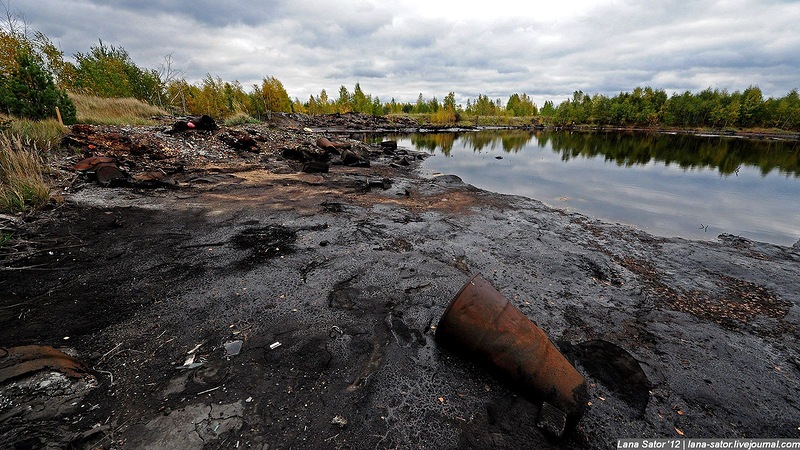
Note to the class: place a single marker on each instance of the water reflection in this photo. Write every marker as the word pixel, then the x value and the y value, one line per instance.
pixel 725 154
pixel 671 185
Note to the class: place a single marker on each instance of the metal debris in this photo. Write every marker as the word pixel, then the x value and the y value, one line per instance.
pixel 233 348
pixel 18 361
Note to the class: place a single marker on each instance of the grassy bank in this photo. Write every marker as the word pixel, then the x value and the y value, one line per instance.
pixel 114 111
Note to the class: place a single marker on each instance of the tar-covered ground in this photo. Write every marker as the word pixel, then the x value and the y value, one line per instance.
pixel 236 301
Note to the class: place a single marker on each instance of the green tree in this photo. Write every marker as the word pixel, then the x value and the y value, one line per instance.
pixel 16 37
pixel 209 98
pixel 548 109
pixel 29 92
pixel 344 103
pixel 421 107
pixel 298 107
pixel 787 111
pixel 433 105
pixel 483 106
pixel 108 71
pixel 520 105
pixel 449 102
pixel 271 96
pixel 377 108
pixel 362 103
pixel 751 108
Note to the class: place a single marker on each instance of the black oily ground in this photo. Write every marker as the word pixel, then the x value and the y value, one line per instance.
pixel 267 242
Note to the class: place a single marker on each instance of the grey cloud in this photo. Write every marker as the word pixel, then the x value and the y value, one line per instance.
pixel 209 12
pixel 674 45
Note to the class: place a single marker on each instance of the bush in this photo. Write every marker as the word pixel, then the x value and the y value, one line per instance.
pixel 443 117
pixel 108 71
pixel 29 92
pixel 22 185
pixel 240 119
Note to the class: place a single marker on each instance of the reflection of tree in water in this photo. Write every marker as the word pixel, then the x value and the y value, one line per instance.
pixel 727 155
pixel 508 140
pixel 434 141
pixel 724 154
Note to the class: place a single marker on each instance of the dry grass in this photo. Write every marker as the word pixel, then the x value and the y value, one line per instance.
pixel 114 111
pixel 45 135
pixel 22 184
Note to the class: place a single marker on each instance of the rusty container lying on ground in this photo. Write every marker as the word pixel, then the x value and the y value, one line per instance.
pixel 480 322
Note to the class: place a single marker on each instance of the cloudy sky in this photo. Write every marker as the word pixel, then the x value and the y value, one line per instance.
pixel 402 48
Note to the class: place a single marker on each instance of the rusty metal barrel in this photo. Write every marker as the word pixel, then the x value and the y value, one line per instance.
pixel 481 322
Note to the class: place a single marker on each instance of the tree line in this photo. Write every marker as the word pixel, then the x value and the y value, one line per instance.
pixel 712 108
pixel 35 78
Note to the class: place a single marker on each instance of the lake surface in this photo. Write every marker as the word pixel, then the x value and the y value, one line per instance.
pixel 669 185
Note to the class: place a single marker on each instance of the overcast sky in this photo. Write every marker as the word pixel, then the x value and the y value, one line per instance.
pixel 402 48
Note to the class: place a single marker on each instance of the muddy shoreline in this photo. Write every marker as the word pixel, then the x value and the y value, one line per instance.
pixel 332 284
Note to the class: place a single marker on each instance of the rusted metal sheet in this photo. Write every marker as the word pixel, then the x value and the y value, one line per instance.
pixel 481 323
pixel 90 163
pixel 107 173
pixel 327 144
pixel 26 359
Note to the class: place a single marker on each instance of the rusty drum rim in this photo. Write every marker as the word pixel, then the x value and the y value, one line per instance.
pixel 446 313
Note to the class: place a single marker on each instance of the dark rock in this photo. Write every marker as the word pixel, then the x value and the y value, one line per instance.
pixel 389 145
pixel 294 154
pixel 353 159
pixel 448 180
pixel 385 183
pixel 306 154
pixel 152 180
pixel 240 141
pixel 335 207
pixel 316 167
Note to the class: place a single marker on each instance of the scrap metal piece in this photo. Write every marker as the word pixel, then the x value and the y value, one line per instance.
pixel 26 359
pixel 233 348
pixel 552 419
pixel 481 323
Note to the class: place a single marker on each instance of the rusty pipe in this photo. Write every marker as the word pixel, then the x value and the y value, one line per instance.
pixel 479 321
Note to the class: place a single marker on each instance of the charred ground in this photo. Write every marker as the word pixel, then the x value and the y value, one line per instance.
pixel 200 242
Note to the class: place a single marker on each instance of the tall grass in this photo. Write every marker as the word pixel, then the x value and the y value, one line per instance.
pixel 114 111
pixel 45 135
pixel 22 184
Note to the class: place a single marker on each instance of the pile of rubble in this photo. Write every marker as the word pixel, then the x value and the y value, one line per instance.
pixel 153 157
